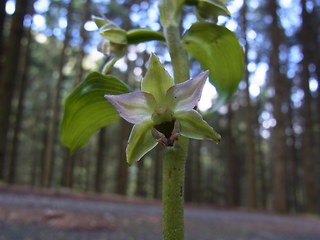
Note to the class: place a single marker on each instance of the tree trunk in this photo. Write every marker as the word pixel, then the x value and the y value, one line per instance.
pixel 20 108
pixel 52 128
pixel 196 158
pixel 232 181
pixel 189 177
pixel 2 20
pixel 293 176
pixel 157 172
pixel 102 146
pixel 316 18
pixel 84 37
pixel 122 174
pixel 279 163
pixel 140 190
pixel 308 162
pixel 250 157
pixel 67 170
pixel 9 74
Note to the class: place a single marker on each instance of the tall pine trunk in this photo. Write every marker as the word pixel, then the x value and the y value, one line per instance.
pixel 8 75
pixel 279 138
pixel 20 108
pixel 250 157
pixel 52 128
pixel 233 181
pixel 122 172
pixel 102 146
pixel 308 161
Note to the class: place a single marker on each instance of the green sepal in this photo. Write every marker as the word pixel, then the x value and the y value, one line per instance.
pixel 136 36
pixel 193 126
pixel 86 110
pixel 99 21
pixel 140 142
pixel 157 80
pixel 217 49
pixel 114 35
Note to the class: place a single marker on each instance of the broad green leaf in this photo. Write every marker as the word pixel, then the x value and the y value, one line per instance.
pixel 140 142
pixel 86 110
pixel 193 126
pixel 218 50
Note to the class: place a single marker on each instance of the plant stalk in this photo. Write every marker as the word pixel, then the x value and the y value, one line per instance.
pixel 173 190
pixel 175 157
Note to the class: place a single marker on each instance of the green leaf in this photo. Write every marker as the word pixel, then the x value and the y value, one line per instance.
pixel 135 36
pixel 170 12
pixel 140 142
pixel 211 9
pixel 193 126
pixel 218 50
pixel 86 110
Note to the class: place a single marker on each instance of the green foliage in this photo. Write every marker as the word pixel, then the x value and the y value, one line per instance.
pixel 218 50
pixel 86 109
pixel 170 12
pixel 210 9
pixel 135 36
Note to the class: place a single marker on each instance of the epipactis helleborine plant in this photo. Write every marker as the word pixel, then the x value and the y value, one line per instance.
pixel 162 111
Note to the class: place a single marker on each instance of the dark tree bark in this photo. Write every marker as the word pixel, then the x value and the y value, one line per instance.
pixel 157 172
pixel 84 37
pixel 196 157
pixel 20 108
pixel 233 175
pixel 189 177
pixel 250 157
pixel 316 19
pixel 293 176
pixel 279 138
pixel 52 128
pixel 67 170
pixel 122 173
pixel 308 161
pixel 101 154
pixel 9 75
pixel 141 178
pixel 2 20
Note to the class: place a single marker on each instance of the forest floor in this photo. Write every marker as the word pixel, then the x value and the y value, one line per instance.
pixel 33 214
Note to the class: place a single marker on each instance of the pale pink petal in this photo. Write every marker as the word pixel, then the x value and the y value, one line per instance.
pixel 135 107
pixel 185 96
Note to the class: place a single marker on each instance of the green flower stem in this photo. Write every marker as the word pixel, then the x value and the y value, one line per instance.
pixel 179 57
pixel 173 190
pixel 175 157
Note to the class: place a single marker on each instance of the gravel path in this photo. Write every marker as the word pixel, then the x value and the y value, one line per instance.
pixel 27 216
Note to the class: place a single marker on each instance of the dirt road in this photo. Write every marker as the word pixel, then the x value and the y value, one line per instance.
pixel 26 215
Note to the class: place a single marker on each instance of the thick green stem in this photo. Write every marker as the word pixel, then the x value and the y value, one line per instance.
pixel 179 57
pixel 175 157
pixel 173 190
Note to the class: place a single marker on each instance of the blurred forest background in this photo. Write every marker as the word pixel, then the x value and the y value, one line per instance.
pixel 269 155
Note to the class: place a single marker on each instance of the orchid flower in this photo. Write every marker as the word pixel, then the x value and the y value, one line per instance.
pixel 162 111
